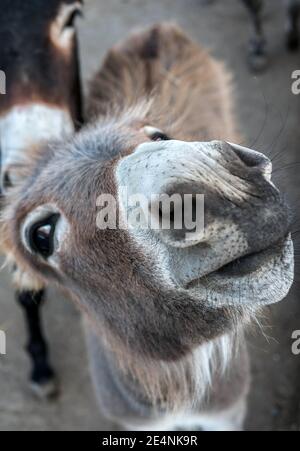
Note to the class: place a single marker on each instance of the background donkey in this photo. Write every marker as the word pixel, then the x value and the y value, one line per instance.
pixel 43 101
pixel 164 316
pixel 257 48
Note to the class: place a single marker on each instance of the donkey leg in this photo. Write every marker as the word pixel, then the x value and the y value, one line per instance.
pixel 42 375
pixel 257 46
pixel 292 36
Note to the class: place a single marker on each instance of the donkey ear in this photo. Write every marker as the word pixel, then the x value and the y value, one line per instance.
pixel 172 176
pixel 62 30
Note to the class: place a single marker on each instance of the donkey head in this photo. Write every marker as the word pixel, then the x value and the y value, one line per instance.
pixel 39 58
pixel 156 292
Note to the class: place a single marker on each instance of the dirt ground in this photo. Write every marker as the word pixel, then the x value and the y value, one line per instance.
pixel 269 120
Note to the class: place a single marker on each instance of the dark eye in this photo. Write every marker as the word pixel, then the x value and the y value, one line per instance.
pixel 155 134
pixel 40 236
pixel 159 136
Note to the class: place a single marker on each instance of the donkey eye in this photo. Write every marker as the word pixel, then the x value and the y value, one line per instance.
pixel 159 136
pixel 40 236
pixel 155 134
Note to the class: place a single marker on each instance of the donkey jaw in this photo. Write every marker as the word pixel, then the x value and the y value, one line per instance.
pixel 259 279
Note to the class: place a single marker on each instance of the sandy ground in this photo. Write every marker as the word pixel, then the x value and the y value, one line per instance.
pixel 269 119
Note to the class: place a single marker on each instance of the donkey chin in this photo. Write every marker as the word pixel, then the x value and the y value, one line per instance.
pixel 164 313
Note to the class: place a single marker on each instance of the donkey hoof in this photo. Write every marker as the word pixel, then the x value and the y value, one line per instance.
pixel 44 383
pixel 258 62
pixel 292 41
pixel 46 390
pixel 257 55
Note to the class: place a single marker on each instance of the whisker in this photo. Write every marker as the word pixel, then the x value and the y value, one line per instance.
pixel 284 122
pixel 266 112
pixel 287 166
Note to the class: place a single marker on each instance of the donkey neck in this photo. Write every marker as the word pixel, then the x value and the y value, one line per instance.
pixel 126 391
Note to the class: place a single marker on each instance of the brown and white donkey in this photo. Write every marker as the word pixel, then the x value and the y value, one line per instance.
pixel 164 314
pixel 38 55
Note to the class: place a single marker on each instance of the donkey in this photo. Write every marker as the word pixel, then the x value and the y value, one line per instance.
pixel 43 101
pixel 257 47
pixel 164 314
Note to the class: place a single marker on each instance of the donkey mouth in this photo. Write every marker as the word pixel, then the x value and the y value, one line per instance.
pixel 264 277
pixel 251 263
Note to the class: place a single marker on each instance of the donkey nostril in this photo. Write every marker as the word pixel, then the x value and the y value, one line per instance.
pixel 253 159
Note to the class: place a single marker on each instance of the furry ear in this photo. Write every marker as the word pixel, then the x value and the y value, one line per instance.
pixel 179 77
pixel 62 30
